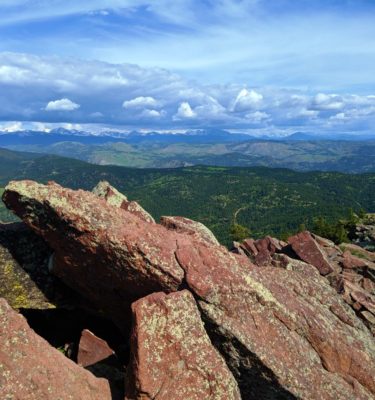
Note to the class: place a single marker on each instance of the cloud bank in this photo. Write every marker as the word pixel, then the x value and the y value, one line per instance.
pixel 61 90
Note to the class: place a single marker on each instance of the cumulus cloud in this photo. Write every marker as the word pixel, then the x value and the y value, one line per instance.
pixel 185 111
pixel 152 113
pixel 62 105
pixel 140 102
pixel 247 100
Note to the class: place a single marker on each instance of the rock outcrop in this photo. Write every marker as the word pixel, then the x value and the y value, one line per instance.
pixel 195 229
pixel 284 332
pixel 364 232
pixel 30 369
pixel 107 192
pixel 172 356
pixel 308 250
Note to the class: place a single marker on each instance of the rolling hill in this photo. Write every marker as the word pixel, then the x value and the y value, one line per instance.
pixel 300 152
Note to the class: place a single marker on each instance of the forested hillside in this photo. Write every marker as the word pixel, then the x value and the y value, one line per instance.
pixel 267 201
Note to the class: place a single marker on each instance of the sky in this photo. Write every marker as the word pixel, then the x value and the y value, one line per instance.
pixel 260 66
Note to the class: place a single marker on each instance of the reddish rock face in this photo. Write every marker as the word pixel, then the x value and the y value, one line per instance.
pixel 261 251
pixel 354 249
pixel 92 349
pixel 172 356
pixel 352 262
pixel 31 369
pixel 249 246
pixel 107 192
pixel 284 333
pixel 308 250
pixel 195 229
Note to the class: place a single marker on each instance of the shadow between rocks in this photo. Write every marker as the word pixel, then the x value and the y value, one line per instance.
pixel 254 379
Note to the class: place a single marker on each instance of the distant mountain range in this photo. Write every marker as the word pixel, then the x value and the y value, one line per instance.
pixel 192 136
pixel 300 151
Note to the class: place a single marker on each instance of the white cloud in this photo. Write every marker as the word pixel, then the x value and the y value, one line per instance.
pixel 62 105
pixel 339 117
pixel 257 116
pixel 185 111
pixel 152 113
pixel 302 113
pixel 140 102
pixel 41 127
pixel 69 126
pixel 97 114
pixel 247 100
pixel 328 102
pixel 13 126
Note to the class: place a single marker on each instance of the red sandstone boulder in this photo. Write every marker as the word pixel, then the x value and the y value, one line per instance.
pixel 350 261
pixel 92 349
pixel 107 192
pixel 356 294
pixel 30 369
pixel 359 251
pixel 249 246
pixel 261 251
pixel 271 244
pixel 172 356
pixel 190 227
pixel 308 250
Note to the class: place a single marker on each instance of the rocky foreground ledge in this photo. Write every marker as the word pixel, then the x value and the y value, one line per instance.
pixel 268 320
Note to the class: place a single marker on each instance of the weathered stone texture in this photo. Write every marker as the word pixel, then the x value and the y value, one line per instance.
pixel 195 229
pixel 30 369
pixel 172 356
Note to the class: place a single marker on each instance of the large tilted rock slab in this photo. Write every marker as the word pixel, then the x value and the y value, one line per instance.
pixel 172 356
pixel 104 252
pixel 306 247
pixel 284 333
pixel 30 369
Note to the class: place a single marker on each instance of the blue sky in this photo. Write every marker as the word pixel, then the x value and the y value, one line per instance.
pixel 263 66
